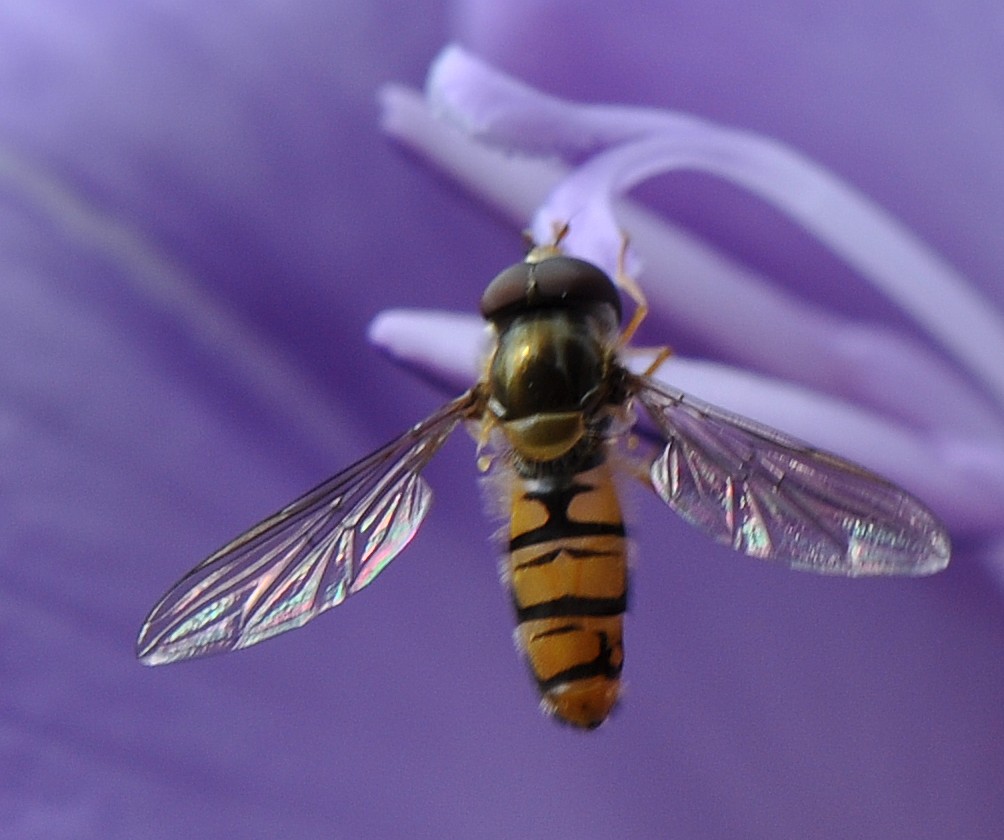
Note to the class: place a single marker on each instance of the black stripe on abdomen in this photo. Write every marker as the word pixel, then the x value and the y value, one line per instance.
pixel 568 575
pixel 607 664
pixel 572 606
pixel 558 526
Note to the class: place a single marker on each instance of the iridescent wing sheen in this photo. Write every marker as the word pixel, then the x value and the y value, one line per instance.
pixel 306 558
pixel 774 497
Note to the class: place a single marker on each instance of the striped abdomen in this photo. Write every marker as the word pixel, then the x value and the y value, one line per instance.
pixel 568 573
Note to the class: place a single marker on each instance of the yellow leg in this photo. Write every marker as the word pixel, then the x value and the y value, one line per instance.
pixel 626 282
pixel 630 286
pixel 660 357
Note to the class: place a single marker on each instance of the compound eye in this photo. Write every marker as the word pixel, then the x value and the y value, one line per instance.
pixel 552 282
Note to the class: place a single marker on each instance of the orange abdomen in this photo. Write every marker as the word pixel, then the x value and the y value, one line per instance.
pixel 568 573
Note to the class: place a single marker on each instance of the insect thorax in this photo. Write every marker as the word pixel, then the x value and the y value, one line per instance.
pixel 550 379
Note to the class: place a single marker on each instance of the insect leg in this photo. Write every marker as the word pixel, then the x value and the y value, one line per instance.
pixel 630 286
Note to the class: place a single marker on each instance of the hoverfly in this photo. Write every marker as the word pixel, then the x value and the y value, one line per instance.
pixel 552 402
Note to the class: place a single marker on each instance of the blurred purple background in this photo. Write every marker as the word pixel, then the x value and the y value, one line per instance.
pixel 200 218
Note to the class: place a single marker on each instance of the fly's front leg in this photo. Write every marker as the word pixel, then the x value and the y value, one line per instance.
pixel 630 287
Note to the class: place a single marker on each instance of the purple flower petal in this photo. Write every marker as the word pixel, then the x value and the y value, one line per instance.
pixel 965 490
pixel 500 111
pixel 741 313
pixel 196 358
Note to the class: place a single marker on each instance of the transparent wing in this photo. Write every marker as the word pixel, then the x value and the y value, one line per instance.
pixel 772 496
pixel 306 558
